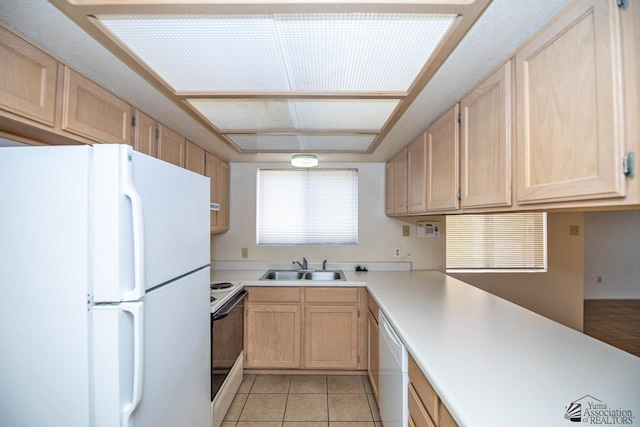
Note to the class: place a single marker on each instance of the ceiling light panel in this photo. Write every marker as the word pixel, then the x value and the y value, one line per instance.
pixel 283 52
pixel 310 143
pixel 296 114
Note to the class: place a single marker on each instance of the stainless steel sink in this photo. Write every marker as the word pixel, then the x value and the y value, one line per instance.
pixel 282 275
pixel 303 275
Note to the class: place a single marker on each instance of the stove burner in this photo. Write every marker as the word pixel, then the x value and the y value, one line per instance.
pixel 212 299
pixel 223 285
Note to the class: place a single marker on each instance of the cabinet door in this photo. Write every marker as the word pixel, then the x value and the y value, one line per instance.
pixel 570 136
pixel 91 111
pixel 218 172
pixel 485 146
pixel 145 134
pixel 331 337
pixel 390 197
pixel 272 338
pixel 171 146
pixel 194 159
pixel 28 79
pixel 417 175
pixel 401 183
pixel 374 353
pixel 443 138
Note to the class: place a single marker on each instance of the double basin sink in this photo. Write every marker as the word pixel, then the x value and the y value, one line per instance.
pixel 303 275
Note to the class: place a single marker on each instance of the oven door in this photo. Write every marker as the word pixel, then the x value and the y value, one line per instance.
pixel 227 336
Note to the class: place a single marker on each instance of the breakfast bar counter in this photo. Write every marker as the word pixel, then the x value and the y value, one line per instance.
pixel 494 363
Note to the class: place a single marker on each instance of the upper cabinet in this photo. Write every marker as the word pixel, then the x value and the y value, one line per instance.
pixel 145 134
pixel 195 158
pixel 28 79
pixel 218 172
pixel 571 136
pixel 443 141
pixel 417 175
pixel 396 179
pixel 171 146
pixel 93 112
pixel 486 141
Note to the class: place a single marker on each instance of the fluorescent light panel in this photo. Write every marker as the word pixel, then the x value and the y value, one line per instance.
pixel 296 114
pixel 302 143
pixel 283 52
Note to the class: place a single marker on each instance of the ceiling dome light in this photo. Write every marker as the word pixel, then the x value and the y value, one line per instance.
pixel 304 161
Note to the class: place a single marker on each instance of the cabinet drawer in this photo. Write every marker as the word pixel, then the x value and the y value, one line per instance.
pixel 373 307
pixel 424 390
pixel 330 295
pixel 446 420
pixel 417 411
pixel 274 294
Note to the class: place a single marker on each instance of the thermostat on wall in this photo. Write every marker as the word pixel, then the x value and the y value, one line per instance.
pixel 428 230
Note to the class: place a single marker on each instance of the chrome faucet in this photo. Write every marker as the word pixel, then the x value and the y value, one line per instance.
pixel 303 266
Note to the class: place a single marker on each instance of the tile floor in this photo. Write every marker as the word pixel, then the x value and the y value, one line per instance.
pixel 616 322
pixel 303 401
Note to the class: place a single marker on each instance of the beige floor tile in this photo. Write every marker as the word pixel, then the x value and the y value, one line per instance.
pixel 308 384
pixel 345 384
pixel 374 407
pixel 306 407
pixel 264 407
pixel 349 407
pixel 271 384
pixel 228 424
pixel 247 383
pixel 367 385
pixel 351 424
pixel 378 424
pixel 259 424
pixel 236 407
pixel 306 424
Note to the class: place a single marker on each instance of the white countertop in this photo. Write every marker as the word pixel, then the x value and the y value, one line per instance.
pixel 492 362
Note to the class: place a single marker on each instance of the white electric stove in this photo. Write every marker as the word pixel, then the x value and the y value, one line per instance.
pixel 222 292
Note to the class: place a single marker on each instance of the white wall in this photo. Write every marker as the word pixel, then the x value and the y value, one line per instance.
pixel 378 234
pixel 556 294
pixel 612 251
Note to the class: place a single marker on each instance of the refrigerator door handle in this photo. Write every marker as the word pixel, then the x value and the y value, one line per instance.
pixel 137 312
pixel 128 189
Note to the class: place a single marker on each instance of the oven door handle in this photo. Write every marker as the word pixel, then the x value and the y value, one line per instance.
pixel 230 305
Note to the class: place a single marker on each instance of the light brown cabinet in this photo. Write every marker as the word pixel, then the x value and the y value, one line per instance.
pixel 171 146
pixel 273 327
pixel 396 179
pixel 305 328
pixel 571 135
pixel 443 140
pixel 218 172
pixel 417 175
pixel 145 134
pixel 195 158
pixel 28 79
pixel 91 111
pixel 486 141
pixel 373 339
pixel 426 409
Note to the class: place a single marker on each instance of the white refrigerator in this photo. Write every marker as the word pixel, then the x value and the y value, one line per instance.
pixel 104 296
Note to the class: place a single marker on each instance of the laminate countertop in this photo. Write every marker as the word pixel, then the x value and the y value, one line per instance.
pixel 494 363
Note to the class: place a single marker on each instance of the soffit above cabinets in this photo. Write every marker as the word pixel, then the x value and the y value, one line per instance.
pixel 292 76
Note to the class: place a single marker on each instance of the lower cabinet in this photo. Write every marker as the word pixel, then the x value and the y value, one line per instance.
pixel 373 331
pixel 425 407
pixel 305 328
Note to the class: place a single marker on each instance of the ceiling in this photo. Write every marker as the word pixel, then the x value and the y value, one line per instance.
pixel 280 92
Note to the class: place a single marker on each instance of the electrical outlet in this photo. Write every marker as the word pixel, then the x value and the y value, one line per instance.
pixel 405 230
pixel 397 252
pixel 574 230
pixel 245 252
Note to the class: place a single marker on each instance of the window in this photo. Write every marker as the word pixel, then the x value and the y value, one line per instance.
pixel 307 207
pixel 514 242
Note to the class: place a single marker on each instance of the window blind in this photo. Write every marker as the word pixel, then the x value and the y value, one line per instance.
pixel 307 207
pixel 500 242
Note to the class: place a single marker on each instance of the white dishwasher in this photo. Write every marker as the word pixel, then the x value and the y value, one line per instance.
pixel 394 377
